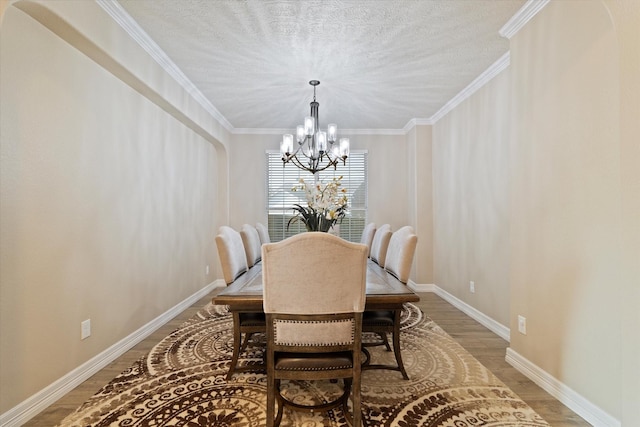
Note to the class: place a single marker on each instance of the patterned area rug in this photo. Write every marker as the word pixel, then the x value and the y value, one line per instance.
pixel 181 382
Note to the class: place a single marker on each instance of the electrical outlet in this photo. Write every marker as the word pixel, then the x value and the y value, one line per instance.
pixel 522 325
pixel 207 270
pixel 85 329
pixel 472 287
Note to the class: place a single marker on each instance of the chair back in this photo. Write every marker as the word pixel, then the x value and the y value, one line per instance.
pixel 367 235
pixel 380 244
pixel 252 245
pixel 314 273
pixel 263 232
pixel 402 247
pixel 231 253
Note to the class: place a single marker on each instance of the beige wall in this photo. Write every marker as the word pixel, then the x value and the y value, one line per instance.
pixel 420 199
pixel 471 200
pixel 571 275
pixel 387 178
pixel 536 198
pixel 108 204
pixel 247 175
pixel 625 16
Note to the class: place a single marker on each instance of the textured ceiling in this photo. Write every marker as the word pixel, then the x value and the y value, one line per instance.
pixel 380 63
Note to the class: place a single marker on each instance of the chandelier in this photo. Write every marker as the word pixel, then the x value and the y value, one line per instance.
pixel 317 150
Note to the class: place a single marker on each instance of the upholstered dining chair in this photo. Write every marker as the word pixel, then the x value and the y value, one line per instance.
pixel 367 235
pixel 252 245
pixel 314 316
pixel 398 262
pixel 263 232
pixel 377 254
pixel 400 252
pixel 233 260
pixel 380 244
pixel 231 253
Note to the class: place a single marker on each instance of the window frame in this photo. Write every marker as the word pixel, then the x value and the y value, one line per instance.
pixel 355 180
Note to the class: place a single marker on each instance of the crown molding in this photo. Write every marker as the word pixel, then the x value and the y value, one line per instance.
pixel 272 131
pixel 372 131
pixel 261 131
pixel 416 122
pixel 497 67
pixel 131 27
pixel 524 15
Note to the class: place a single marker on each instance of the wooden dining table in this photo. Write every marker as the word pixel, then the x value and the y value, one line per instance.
pixel 384 292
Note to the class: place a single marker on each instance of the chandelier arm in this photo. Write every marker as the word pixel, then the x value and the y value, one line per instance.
pixel 320 169
pixel 300 165
pixel 313 169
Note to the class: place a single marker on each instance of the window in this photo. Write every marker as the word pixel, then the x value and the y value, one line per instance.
pixel 280 198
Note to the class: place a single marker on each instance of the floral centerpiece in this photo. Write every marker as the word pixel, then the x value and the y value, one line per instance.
pixel 326 205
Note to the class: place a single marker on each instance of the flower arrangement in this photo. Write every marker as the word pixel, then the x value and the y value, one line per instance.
pixel 326 205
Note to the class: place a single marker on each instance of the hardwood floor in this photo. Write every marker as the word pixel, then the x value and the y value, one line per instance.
pixel 483 344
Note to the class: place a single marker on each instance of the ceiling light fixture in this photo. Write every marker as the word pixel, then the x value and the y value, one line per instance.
pixel 317 150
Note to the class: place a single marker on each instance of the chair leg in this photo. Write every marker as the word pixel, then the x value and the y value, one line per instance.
pixel 271 401
pixel 396 345
pixel 245 342
pixel 356 400
pixel 385 340
pixel 356 382
pixel 349 389
pixel 280 402
pixel 237 336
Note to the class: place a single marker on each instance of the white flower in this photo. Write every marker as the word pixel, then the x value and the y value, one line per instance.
pixel 328 201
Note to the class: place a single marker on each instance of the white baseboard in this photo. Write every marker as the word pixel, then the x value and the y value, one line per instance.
pixel 429 287
pixel 35 404
pixel 486 321
pixel 574 401
pixel 567 396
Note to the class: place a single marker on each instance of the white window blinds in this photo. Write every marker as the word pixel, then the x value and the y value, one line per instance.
pixel 280 198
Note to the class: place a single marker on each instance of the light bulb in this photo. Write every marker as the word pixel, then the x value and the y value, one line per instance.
pixel 309 126
pixel 332 132
pixel 300 136
pixel 322 141
pixel 344 147
pixel 286 146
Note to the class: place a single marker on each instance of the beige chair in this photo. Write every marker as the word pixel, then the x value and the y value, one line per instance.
pixel 232 254
pixel 314 316
pixel 252 245
pixel 233 260
pixel 399 258
pixel 380 244
pixel 367 235
pixel 402 247
pixel 377 253
pixel 263 232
